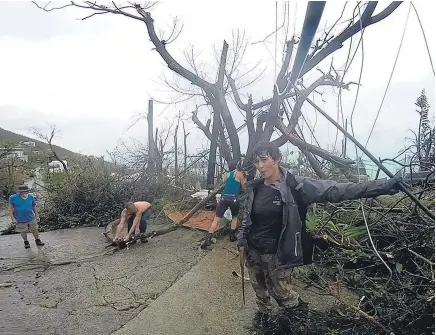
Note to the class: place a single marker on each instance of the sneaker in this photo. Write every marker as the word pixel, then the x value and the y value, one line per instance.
pixel 39 242
pixel 232 235
pixel 207 242
pixel 26 244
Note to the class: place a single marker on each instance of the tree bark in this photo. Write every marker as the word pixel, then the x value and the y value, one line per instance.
pixel 212 152
pixel 304 146
pixel 176 148
pixel 185 148
pixel 151 144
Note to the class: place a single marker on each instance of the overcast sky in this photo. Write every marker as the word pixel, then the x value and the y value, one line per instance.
pixel 91 77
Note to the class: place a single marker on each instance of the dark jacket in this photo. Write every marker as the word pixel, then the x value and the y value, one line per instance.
pixel 295 247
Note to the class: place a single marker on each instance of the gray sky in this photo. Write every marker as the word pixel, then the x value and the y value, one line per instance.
pixel 91 77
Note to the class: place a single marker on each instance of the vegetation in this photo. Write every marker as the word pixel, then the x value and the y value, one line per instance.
pixel 94 193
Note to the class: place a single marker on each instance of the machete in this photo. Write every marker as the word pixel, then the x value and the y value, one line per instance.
pixel 241 263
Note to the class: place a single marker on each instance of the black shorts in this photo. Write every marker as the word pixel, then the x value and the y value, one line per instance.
pixel 226 202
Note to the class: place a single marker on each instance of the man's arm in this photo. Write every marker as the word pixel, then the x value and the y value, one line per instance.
pixel 321 191
pixel 120 225
pixel 242 231
pixel 137 218
pixel 11 214
pixel 35 209
pixel 242 180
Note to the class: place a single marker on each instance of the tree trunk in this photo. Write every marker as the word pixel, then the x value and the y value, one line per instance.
pixel 151 144
pixel 212 152
pixel 185 148
pixel 57 157
pixel 176 148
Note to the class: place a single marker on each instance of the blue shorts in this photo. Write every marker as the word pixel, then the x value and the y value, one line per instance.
pixel 142 224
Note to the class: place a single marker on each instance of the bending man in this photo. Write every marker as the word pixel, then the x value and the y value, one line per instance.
pixel 229 199
pixel 136 214
pixel 273 231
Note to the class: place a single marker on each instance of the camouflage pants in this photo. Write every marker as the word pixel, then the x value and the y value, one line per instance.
pixel 268 281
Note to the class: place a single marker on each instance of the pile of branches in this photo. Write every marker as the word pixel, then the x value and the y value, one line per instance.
pixel 94 193
pixel 310 322
pixel 391 268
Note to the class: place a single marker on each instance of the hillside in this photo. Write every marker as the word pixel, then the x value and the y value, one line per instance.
pixel 6 135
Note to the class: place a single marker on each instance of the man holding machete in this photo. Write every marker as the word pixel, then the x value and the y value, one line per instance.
pixel 273 233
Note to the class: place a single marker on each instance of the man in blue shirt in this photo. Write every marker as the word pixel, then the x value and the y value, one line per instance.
pixel 24 214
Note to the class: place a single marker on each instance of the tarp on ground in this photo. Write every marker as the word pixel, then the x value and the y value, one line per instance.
pixel 200 220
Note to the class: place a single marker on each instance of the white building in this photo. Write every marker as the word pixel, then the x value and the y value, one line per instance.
pixel 56 166
pixel 14 153
pixel 28 144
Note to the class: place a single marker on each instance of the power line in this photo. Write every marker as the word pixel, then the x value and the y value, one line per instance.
pixel 392 73
pixel 423 34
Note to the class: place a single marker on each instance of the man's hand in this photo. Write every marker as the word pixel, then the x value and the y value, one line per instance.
pixel 242 243
pixel 38 219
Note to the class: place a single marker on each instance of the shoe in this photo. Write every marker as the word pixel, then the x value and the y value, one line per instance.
pixel 261 319
pixel 26 244
pixel 207 242
pixel 144 240
pixel 232 235
pixel 39 242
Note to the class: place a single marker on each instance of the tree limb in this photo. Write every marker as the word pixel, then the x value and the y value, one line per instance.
pixel 304 146
pixel 169 60
pixel 248 113
pixel 278 95
pixel 338 41
pixel 222 67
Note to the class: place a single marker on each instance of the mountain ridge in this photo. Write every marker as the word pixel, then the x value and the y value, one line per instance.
pixel 7 135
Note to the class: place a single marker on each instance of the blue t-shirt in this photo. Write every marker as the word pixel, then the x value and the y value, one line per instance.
pixel 23 208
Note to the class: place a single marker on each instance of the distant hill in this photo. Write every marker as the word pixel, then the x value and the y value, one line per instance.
pixel 6 135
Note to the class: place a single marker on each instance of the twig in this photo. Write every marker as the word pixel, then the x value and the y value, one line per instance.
pixel 421 257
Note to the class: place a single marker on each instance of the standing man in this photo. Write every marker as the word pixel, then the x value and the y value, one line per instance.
pixel 136 214
pixel 273 232
pixel 24 214
pixel 229 199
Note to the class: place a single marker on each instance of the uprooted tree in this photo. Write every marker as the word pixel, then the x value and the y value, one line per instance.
pixel 261 118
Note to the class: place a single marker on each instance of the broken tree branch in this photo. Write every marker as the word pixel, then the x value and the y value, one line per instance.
pixel 304 146
pixel 338 41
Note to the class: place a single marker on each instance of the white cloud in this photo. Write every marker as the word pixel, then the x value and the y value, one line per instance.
pixel 95 74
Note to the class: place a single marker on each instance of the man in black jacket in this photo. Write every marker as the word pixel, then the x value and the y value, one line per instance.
pixel 273 231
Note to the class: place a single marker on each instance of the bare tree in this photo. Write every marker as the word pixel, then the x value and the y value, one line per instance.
pixel 48 138
pixel 270 111
pixel 185 147
pixel 176 148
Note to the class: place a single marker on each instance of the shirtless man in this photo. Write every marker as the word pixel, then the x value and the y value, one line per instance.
pixel 136 214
